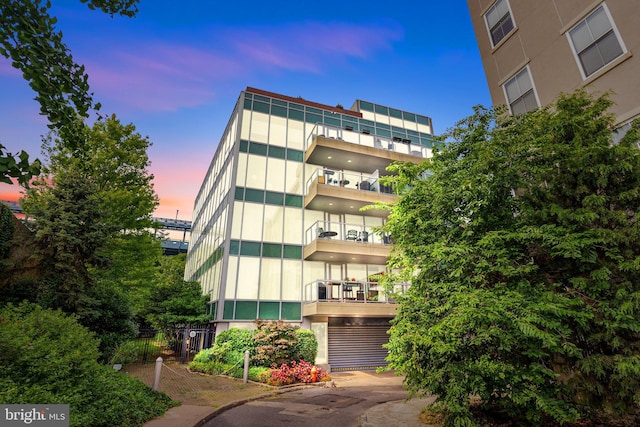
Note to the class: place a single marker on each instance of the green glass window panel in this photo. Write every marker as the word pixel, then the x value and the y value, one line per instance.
pixel 369 128
pixel 278 102
pixel 261 107
pixel 412 132
pixel 296 155
pixel 247 104
pixel 239 193
pixel 395 113
pixel 382 126
pixel 269 310
pixel 234 247
pixel 214 310
pixel 399 129
pixel 291 311
pixel 296 115
pixel 409 117
pixel 296 106
pixel 399 135
pixel 292 252
pixel 253 195
pixel 426 142
pixel 278 111
pixel 366 106
pixel 244 146
pixel 313 118
pixel 274 198
pixel 381 109
pixel 414 139
pixel 246 310
pixel 423 120
pixel 293 200
pixel 279 152
pixel 271 250
pixel 383 132
pixel 250 248
pixel 262 98
pixel 366 122
pixel 314 110
pixel 332 121
pixel 257 148
pixel 349 119
pixel 227 313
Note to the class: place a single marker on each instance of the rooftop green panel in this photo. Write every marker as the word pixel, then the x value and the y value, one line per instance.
pixel 261 107
pixel 366 106
pixel 262 98
pixel 381 109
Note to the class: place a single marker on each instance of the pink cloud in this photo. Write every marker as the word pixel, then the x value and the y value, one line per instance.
pixel 160 76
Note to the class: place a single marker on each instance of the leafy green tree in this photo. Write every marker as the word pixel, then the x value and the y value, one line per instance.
pixel 522 250
pixel 175 302
pixel 28 38
pixel 90 210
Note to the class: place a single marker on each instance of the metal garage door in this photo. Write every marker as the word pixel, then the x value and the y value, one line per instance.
pixel 357 347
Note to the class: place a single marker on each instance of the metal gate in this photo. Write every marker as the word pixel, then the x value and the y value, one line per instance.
pixel 189 340
pixel 357 347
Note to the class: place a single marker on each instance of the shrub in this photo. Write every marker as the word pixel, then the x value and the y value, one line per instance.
pixel 295 372
pixel 48 358
pixel 306 347
pixel 274 343
pixel 205 355
pixel 134 350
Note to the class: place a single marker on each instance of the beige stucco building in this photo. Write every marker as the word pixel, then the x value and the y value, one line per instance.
pixel 534 50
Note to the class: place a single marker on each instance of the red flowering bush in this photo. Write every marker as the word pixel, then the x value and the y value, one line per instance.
pixel 295 372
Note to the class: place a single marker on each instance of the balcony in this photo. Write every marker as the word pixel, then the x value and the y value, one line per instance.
pixel 338 242
pixel 349 298
pixel 343 149
pixel 345 192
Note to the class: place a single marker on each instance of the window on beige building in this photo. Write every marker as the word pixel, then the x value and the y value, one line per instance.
pixel 499 21
pixel 595 41
pixel 520 94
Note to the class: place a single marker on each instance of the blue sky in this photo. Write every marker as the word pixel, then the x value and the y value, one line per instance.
pixel 176 70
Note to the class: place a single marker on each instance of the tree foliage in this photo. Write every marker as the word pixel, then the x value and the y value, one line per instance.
pixel 524 254
pixel 48 358
pixel 175 302
pixel 29 38
pixel 90 210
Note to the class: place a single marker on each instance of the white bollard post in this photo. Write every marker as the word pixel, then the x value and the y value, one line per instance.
pixel 246 366
pixel 156 378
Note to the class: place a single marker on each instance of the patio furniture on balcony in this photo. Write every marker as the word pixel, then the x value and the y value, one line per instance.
pixel 352 234
pixel 363 236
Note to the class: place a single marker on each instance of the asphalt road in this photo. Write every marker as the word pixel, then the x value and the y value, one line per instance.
pixel 318 407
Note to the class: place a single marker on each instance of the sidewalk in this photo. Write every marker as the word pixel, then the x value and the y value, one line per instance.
pixel 203 396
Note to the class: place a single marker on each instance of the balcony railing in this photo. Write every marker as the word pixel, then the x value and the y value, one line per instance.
pixel 365 138
pixel 352 180
pixel 351 291
pixel 356 233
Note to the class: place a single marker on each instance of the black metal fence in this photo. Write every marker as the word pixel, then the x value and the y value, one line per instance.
pixel 183 342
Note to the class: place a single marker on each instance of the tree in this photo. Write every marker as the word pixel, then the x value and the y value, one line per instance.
pixel 90 208
pixel 29 39
pixel 522 248
pixel 175 302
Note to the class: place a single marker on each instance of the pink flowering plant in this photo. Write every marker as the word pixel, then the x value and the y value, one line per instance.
pixel 294 372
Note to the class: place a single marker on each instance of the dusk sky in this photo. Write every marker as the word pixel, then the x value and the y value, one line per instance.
pixel 176 70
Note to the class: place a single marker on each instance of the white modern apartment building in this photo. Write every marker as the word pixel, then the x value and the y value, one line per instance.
pixel 277 227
